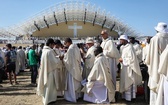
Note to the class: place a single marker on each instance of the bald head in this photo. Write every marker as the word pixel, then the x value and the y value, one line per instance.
pixel 104 34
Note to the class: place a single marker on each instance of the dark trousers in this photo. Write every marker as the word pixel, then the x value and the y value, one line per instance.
pixel 145 78
pixel 33 73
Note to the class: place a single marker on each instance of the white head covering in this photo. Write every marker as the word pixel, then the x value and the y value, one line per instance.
pixel 89 40
pixel 124 37
pixel 161 27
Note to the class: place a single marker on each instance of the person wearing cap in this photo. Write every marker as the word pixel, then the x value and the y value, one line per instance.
pixel 130 75
pixel 72 61
pixel 111 52
pixel 89 57
pixel 157 45
pixel 47 86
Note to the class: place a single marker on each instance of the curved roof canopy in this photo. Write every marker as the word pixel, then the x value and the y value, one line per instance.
pixel 54 20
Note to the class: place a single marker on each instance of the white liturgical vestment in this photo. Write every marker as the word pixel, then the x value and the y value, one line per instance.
pixel 89 61
pixel 72 61
pixel 47 86
pixel 112 54
pixel 130 73
pixel 157 45
pixel 162 91
pixel 99 87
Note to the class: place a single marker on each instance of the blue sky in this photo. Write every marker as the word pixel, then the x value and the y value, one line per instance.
pixel 142 15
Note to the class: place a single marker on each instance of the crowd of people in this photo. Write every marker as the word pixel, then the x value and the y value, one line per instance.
pixel 14 60
pixel 89 70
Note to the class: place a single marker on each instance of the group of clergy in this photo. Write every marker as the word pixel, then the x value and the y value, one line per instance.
pixel 61 72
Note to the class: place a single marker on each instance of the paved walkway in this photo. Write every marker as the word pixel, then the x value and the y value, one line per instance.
pixel 25 94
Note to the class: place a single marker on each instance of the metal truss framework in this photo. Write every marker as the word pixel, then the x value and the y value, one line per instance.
pixel 68 11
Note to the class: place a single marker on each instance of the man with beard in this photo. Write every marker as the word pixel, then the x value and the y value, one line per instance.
pixel 47 86
pixel 130 75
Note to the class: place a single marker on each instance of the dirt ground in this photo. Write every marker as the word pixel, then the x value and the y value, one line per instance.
pixel 25 94
pixel 20 94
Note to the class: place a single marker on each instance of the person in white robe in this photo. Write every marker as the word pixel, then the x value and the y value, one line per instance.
pixel 99 88
pixel 60 72
pixel 47 86
pixel 21 58
pixel 2 54
pixel 72 62
pixel 137 48
pixel 162 93
pixel 89 57
pixel 112 54
pixel 130 75
pixel 156 47
pixel 145 49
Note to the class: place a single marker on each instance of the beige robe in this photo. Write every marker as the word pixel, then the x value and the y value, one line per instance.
pixel 138 51
pixel 163 70
pixel 162 91
pixel 89 61
pixel 145 50
pixel 72 61
pixel 130 73
pixel 60 73
pixel 112 54
pixel 156 47
pixel 47 86
pixel 100 73
pixel 163 65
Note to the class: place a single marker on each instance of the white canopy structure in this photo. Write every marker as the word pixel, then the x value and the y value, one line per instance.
pixel 57 19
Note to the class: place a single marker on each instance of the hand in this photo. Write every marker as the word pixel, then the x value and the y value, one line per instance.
pixel 120 60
